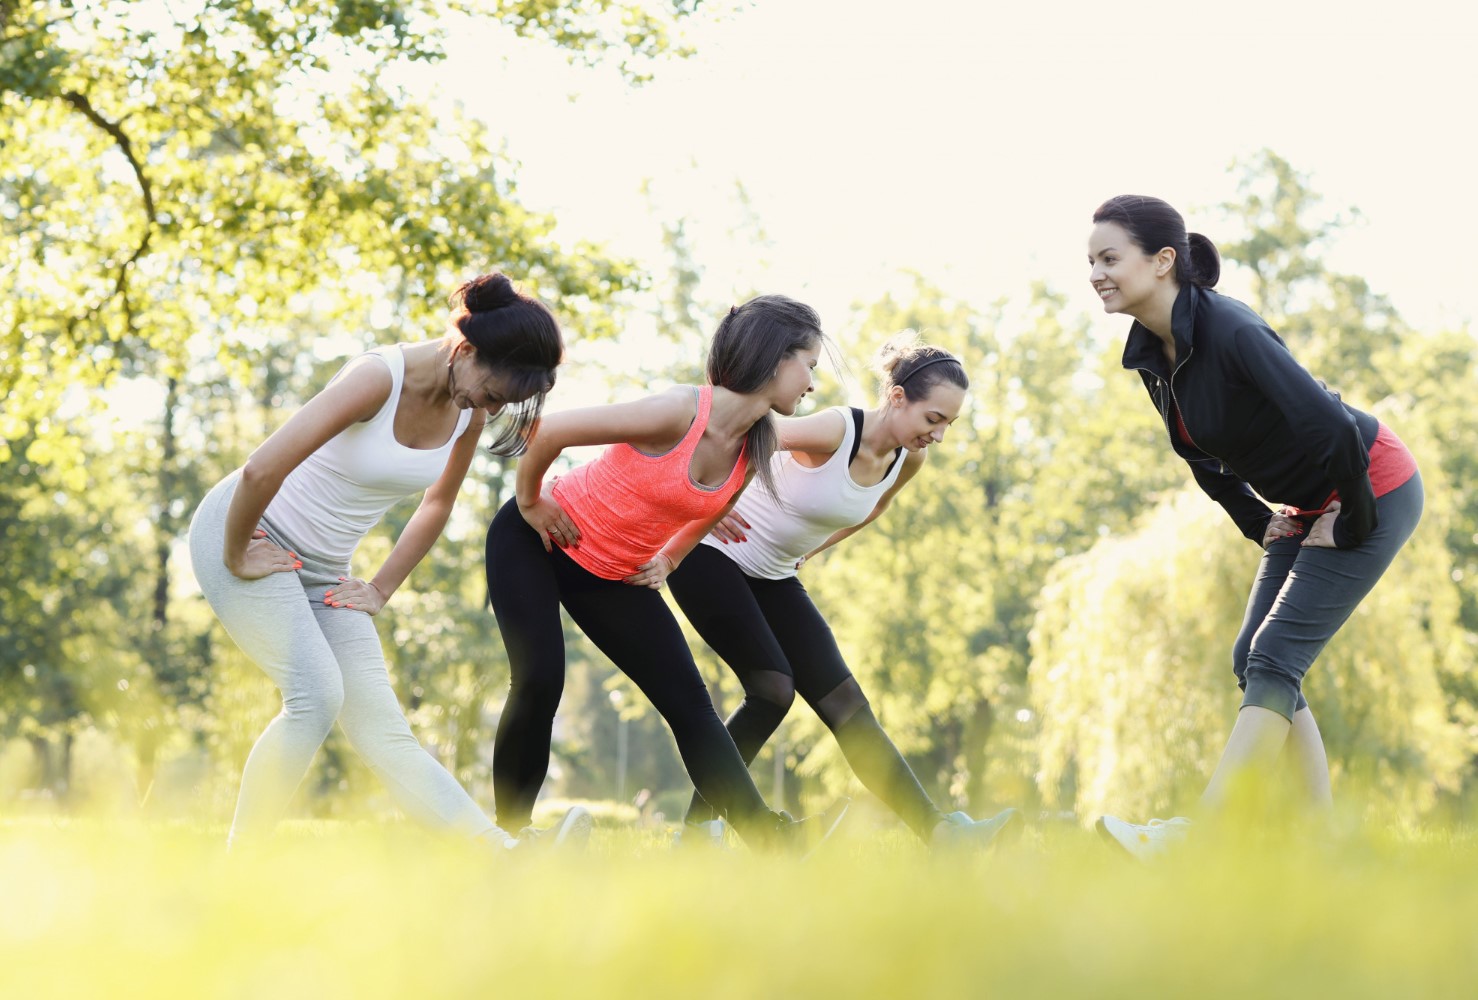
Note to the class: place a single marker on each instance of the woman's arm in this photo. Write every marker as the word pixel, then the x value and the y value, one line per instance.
pixel 355 396
pixel 420 533
pixel 819 434
pixel 1326 431
pixel 912 462
pixel 654 424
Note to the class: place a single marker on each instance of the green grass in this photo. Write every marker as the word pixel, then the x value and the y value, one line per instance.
pixel 91 909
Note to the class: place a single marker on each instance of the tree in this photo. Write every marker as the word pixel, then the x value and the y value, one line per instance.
pixel 198 193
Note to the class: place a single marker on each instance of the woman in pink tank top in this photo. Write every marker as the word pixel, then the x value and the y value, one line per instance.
pixel 601 540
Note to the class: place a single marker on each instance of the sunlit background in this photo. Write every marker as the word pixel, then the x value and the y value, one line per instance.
pixel 205 207
pixel 971 142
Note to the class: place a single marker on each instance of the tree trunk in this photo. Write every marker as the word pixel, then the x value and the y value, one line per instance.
pixel 167 528
pixel 53 765
pixel 978 728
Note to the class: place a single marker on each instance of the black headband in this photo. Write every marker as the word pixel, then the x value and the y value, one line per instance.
pixel 932 361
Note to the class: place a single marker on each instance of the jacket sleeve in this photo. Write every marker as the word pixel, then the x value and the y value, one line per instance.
pixel 1249 513
pixel 1326 431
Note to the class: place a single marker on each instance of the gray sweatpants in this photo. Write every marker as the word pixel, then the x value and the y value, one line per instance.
pixel 1302 596
pixel 329 666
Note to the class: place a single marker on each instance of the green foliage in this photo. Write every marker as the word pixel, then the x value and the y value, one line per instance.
pixel 218 194
pixel 204 196
pixel 219 168
pixel 1284 234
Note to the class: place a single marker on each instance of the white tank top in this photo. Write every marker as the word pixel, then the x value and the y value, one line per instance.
pixel 327 504
pixel 813 504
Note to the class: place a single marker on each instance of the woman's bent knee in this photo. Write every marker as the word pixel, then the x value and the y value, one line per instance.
pixel 318 706
pixel 771 686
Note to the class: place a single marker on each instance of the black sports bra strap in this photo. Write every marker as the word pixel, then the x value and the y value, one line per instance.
pixel 856 434
pixel 857 442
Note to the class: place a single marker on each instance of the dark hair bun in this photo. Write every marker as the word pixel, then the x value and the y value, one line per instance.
pixel 486 292
pixel 1205 260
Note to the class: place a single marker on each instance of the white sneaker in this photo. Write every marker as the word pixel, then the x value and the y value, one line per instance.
pixel 499 839
pixel 571 832
pixel 959 830
pixel 1143 842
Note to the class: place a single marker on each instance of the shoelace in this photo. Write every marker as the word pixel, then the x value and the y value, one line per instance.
pixel 1174 823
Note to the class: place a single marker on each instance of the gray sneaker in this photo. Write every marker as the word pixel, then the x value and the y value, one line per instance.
pixel 572 832
pixel 959 830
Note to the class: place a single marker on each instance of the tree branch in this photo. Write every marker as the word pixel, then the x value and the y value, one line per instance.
pixel 82 104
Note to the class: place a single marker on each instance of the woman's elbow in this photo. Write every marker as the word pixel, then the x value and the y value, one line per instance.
pixel 260 473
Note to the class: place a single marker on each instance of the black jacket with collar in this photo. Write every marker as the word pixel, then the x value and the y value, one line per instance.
pixel 1257 417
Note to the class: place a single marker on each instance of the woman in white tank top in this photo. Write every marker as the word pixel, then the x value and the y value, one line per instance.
pixel 838 472
pixel 271 543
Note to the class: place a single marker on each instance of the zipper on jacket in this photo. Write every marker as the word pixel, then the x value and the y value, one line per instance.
pixel 1169 383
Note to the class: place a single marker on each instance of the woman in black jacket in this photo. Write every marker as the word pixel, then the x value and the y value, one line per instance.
pixel 1247 417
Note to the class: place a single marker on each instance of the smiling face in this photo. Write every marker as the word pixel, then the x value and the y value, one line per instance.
pixel 1125 277
pixel 794 378
pixel 921 422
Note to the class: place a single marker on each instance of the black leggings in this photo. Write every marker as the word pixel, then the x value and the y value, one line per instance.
pixel 631 625
pixel 776 642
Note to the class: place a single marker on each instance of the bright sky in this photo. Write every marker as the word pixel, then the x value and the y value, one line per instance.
pixel 972 142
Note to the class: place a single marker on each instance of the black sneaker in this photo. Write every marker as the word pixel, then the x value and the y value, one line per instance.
pixel 572 832
pixel 802 837
pixel 706 836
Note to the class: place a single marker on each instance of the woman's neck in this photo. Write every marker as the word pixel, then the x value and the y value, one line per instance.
pixel 879 436
pixel 1156 314
pixel 426 371
pixel 732 414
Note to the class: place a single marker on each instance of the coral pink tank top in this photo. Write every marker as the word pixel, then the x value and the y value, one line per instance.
pixel 628 504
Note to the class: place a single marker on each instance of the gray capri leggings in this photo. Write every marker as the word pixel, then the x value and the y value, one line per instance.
pixel 329 666
pixel 1302 596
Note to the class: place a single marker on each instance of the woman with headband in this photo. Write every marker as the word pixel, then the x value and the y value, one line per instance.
pixel 840 470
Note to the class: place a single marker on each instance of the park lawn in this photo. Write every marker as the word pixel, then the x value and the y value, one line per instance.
pixel 95 909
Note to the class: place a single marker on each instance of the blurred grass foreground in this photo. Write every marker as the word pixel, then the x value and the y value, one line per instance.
pixel 333 909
